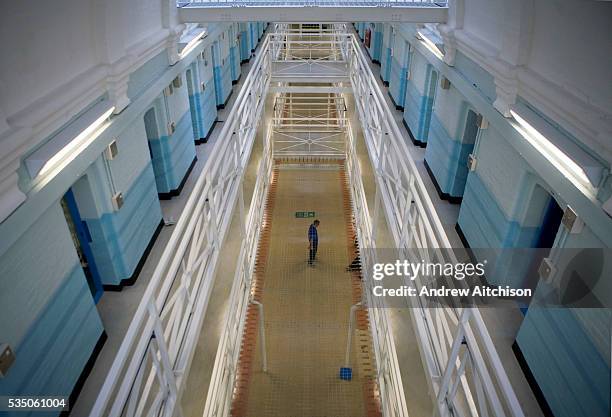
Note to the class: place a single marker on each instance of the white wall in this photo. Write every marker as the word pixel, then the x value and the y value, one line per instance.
pixel 568 48
pixel 140 19
pixel 482 21
pixel 42 49
pixel 553 53
pixel 58 57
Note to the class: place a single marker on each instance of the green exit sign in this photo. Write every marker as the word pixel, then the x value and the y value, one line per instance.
pixel 304 214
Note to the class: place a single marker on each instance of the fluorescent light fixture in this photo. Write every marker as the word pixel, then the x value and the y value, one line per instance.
pixel 192 44
pixel 429 45
pixel 568 167
pixel 70 142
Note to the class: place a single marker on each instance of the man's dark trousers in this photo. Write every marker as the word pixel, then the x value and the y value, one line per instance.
pixel 313 253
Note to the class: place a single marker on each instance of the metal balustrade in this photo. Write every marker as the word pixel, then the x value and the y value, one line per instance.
pixel 315 11
pixel 313 56
pixel 149 373
pixel 221 388
pixel 312 3
pixel 393 401
pixel 457 351
pixel 309 125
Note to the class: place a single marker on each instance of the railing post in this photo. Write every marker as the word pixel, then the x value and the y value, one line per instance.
pixel 347 357
pixel 262 335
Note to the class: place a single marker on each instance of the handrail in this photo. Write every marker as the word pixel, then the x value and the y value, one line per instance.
pixel 393 400
pixel 220 390
pixel 153 361
pixel 313 3
pixel 456 348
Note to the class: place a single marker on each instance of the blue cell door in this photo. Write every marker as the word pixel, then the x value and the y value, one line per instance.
pixel 550 224
pixel 82 240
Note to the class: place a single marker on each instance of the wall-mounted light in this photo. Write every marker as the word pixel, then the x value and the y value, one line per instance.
pixel 193 43
pixel 430 45
pixel 66 145
pixel 566 165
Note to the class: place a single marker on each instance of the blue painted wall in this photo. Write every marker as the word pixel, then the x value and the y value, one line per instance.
pixel 208 99
pixel 385 61
pixel 234 57
pixel 397 81
pixel 222 71
pixel 261 26
pixel 119 238
pixel 415 114
pixel 48 314
pixel 376 41
pixel 447 145
pixel 253 35
pixel 572 373
pixel 484 222
pixel 360 27
pixel 447 158
pixel 194 90
pixel 420 95
pixel 245 45
pixel 172 155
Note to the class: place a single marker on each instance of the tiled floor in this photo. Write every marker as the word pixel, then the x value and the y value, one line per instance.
pixel 306 308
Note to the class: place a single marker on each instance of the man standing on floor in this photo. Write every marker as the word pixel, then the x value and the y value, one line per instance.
pixel 313 241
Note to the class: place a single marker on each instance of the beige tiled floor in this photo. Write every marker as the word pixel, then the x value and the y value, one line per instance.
pixel 306 308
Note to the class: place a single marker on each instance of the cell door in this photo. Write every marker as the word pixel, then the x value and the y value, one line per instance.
pixel 390 57
pixel 430 91
pixel 82 240
pixel 193 102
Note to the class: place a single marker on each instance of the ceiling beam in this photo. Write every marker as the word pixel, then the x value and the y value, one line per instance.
pixel 327 14
pixel 314 90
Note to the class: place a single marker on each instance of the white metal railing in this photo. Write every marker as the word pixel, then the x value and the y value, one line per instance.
pixel 307 53
pixel 219 398
pixel 313 3
pixel 393 401
pixel 457 351
pixel 149 372
pixel 309 125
